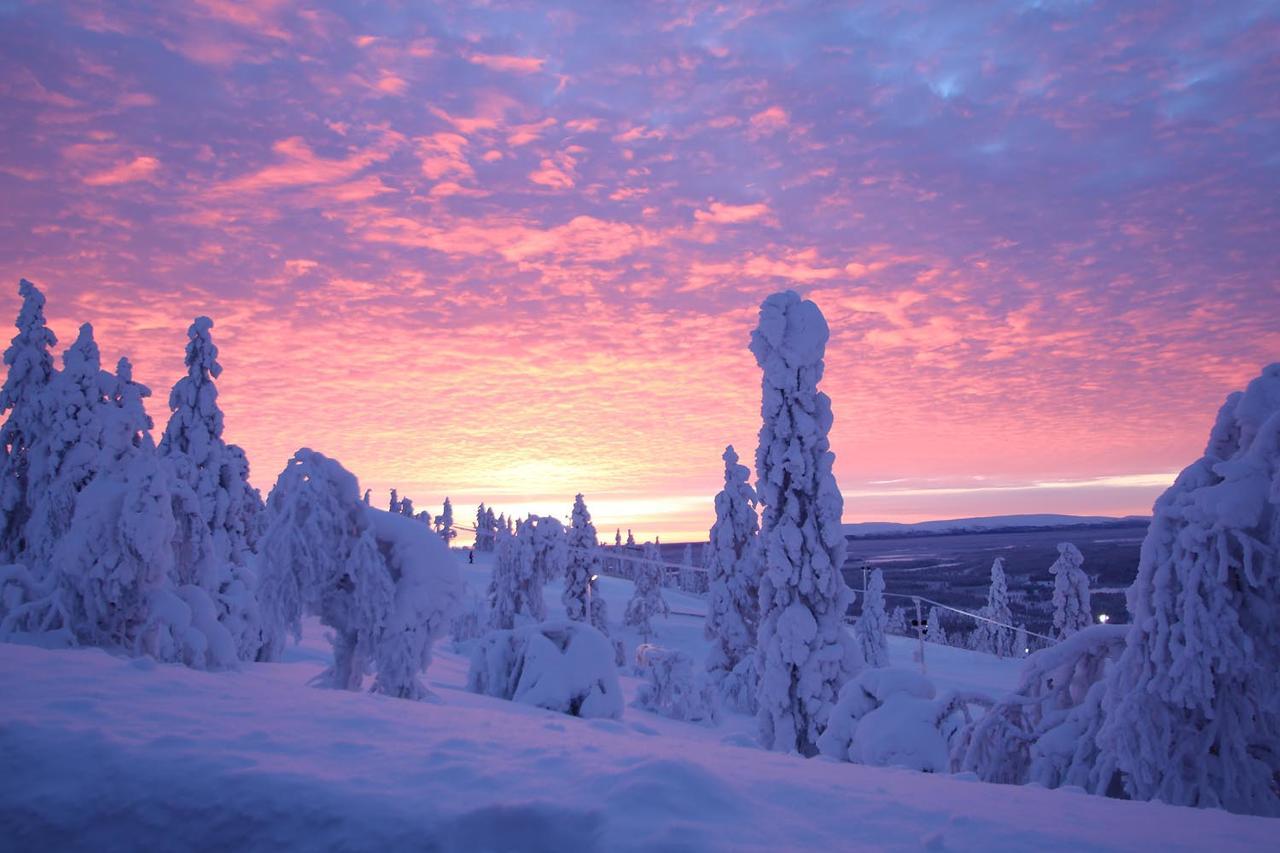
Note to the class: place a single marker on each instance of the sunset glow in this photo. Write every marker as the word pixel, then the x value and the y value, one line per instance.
pixel 507 254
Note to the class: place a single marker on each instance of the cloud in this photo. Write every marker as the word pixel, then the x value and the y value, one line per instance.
pixel 510 64
pixel 137 169
pixel 722 214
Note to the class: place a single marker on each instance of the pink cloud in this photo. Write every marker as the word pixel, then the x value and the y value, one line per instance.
pixel 721 214
pixel 137 169
pixel 769 121
pixel 512 64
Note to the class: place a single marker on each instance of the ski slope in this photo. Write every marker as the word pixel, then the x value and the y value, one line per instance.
pixel 104 753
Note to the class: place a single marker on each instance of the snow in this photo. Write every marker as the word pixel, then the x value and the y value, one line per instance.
pixel 111 754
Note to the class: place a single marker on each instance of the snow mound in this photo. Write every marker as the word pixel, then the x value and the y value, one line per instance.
pixel 672 690
pixel 865 695
pixel 561 666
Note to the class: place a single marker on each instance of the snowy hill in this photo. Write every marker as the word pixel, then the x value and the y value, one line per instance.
pixel 96 749
pixel 987 524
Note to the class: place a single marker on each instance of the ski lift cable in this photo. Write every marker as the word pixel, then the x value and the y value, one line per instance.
pixel 977 617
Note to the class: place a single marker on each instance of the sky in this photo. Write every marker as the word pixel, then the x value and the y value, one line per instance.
pixel 513 251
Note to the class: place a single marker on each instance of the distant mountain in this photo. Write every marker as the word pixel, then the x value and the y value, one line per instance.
pixel 989 524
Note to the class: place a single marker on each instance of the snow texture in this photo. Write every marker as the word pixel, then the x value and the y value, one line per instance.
pixel 805 651
pixel 561 666
pixel 1071 611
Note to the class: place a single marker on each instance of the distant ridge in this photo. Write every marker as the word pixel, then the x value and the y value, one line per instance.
pixel 988 524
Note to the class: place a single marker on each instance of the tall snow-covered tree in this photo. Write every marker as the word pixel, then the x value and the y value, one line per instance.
pixel 508 585
pixel 631 540
pixel 580 591
pixel 225 503
pixel 935 632
pixel 394 506
pixel 733 603
pixel 29 362
pixel 617 538
pixel 1071 611
pixel 872 623
pixel 445 525
pixel 1190 713
pixel 990 637
pixel 68 448
pixel 805 652
pixel 647 600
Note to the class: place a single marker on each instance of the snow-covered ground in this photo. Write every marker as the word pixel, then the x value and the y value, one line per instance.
pixel 106 753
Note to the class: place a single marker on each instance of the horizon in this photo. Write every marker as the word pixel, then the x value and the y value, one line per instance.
pixel 469 252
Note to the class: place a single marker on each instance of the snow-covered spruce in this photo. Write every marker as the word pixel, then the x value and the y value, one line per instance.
pixel 385 584
pixel 671 687
pixel 561 666
pixel 872 623
pixel 484 529
pixel 444 523
pixel 225 504
pixel 1035 733
pixel 507 585
pixel 1071 610
pixel 989 636
pixel 935 632
pixel 524 564
pixel 29 365
pixel 647 601
pixel 897 622
pixel 733 604
pixel 580 594
pixel 67 447
pixel 805 651
pixel 1190 713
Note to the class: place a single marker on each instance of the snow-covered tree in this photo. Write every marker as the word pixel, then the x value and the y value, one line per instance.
pixel 444 524
pixel 647 601
pixel 1020 645
pixel 617 538
pixel 990 637
pixel 1190 713
pixel 935 632
pixel 508 584
pixel 482 528
pixel 733 604
pixel 225 503
pixel 582 603
pixel 385 585
pixel 872 623
pixel 67 450
pixel 631 540
pixel 805 651
pixel 897 622
pixel 1071 610
pixel 546 550
pixel 29 362
pixel 394 506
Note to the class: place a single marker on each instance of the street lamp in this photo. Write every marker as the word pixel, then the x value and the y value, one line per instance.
pixel 1104 618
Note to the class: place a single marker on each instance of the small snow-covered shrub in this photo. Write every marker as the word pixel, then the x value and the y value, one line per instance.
pixel 469 620
pixel 561 666
pixel 867 693
pixel 671 688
